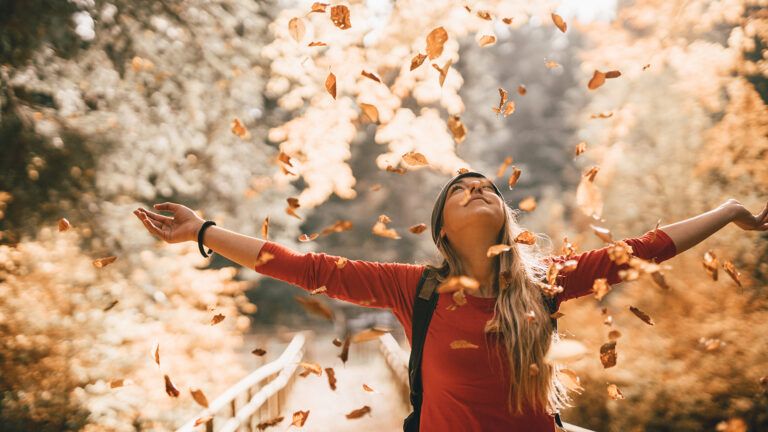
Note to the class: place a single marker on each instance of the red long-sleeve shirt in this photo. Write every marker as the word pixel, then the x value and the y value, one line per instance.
pixel 463 388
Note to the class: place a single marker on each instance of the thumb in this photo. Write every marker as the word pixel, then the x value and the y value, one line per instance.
pixel 169 206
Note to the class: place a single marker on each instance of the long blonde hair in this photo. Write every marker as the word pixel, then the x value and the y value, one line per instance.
pixel 523 271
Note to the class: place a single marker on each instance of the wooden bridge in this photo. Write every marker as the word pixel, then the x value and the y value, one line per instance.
pixel 275 390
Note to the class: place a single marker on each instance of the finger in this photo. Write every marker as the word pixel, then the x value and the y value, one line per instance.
pixel 151 227
pixel 157 217
pixel 167 206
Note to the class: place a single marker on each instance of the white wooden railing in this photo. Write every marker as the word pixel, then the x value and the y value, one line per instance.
pixel 260 395
pixel 397 360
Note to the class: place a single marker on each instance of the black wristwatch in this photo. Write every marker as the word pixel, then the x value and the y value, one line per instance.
pixel 205 225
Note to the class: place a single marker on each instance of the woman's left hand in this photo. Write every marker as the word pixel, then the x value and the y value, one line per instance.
pixel 746 220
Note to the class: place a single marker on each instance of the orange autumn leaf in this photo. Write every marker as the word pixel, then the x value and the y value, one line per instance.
pixel 259 352
pixel 170 388
pixel 457 129
pixel 497 249
pixel 398 170
pixel 317 43
pixel 602 115
pixel 331 374
pixel 612 74
pixel 484 14
pixel 217 319
pixel 238 128
pixel 462 344
pixel 370 334
pixel 503 167
pixel 319 7
pixel 299 418
pixel 370 112
pixel 514 177
pixel 310 367
pixel 315 306
pixel 598 79
pixel 199 397
pixel 64 224
pixel 526 237
pixel 601 287
pixel 359 412
pixel 330 84
pixel 103 262
pixel 614 335
pixel 711 264
pixel 588 196
pixel 341 262
pixel 614 392
pixel 380 228
pixel 265 424
pixel 732 272
pixel 265 228
pixel 581 148
pixel 156 353
pixel 293 204
pixel 337 227
pixel 435 41
pixel 528 204
pixel 340 17
pixel 551 64
pixel 486 40
pixel 344 355
pixel 371 76
pixel 368 388
pixel 570 379
pixel 116 383
pixel 417 60
pixel 521 90
pixel 608 354
pixel 418 228
pixel 603 233
pixel 308 238
pixel 507 21
pixel 509 109
pixel 558 20
pixel 503 97
pixel 296 28
pixel 263 258
pixel 443 70
pixel 415 159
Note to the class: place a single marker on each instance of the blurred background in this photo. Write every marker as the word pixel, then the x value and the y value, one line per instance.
pixel 106 106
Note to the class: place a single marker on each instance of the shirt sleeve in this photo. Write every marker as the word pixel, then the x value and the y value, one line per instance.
pixel 595 264
pixel 365 283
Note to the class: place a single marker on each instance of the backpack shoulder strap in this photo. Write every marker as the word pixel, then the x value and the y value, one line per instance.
pixel 423 307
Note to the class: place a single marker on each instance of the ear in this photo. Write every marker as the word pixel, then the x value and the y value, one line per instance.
pixel 442 233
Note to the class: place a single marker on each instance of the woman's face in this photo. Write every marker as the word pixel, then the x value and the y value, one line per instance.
pixel 482 216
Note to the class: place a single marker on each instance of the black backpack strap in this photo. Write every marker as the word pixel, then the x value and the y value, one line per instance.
pixel 551 303
pixel 423 307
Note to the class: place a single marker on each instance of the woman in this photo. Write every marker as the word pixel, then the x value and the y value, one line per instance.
pixel 505 317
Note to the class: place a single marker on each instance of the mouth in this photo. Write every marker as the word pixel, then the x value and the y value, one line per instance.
pixel 480 198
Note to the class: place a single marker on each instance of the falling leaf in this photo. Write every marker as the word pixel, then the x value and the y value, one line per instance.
pixel 417 60
pixel 608 354
pixel 710 344
pixel 199 397
pixel 486 40
pixel 710 264
pixel 337 342
pixel 497 249
pixel 399 170
pixel 614 335
pixel 344 355
pixel 418 228
pixel 337 227
pixel 319 7
pixel 370 334
pixel 443 71
pixel 503 97
pixel 526 237
pixel 368 388
pixel 296 28
pixel 308 238
pixel 111 305
pixel 462 344
pixel 299 417
pixel 340 16
pixel 521 90
pixel 380 228
pixel 642 315
pixel 457 129
pixel 646 66
pixel 732 272
pixel 620 252
pixel 415 159
pixel 310 367
pixel 509 109
pixel 551 64
pixel 314 306
pixel 507 21
pixel 259 352
pixel 322 289
pixel 528 204
pixel 103 262
pixel 564 350
pixel 658 279
pixel 238 128
pixel 598 78
pixel 64 224
pixel 263 258
pixel 455 283
pixel 341 262
pixel 602 115
pixel 331 374
pixel 603 233
pixel 558 20
pixel 371 76
pixel 265 228
pixel 116 383
pixel 435 41
pixel 156 353
pixel 612 74
pixel 581 148
pixel 571 379
pixel 601 287
pixel 293 204
pixel 370 112
pixel 330 84
pixel 484 14
pixel 170 388
pixel 268 423
pixel 359 412
pixel 514 177
pixel 217 319
pixel 317 43
pixel 614 392
pixel 503 167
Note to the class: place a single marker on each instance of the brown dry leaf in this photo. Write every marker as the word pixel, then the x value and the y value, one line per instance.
pixel 265 228
pixel 526 237
pixel 509 109
pixel 322 289
pixel 461 171
pixel 337 342
pixel 337 227
pixel 487 40
pixel 398 170
pixel 462 344
pixel 503 167
pixel 300 417
pixel 646 66
pixel 238 128
pixel 344 355
pixel 455 283
pixel 340 16
pixel 603 233
pixel 314 306
pixel 552 272
pixel 735 424
pixel 642 315
pixel 435 41
pixel 296 28
pixel 612 74
pixel 614 335
pixel 528 204
pixel 484 14
pixel 103 262
pixel 558 20
pixel 170 388
pixel 380 228
pixel 371 76
pixel 359 412
pixel 598 79
pixel 331 374
pixel 710 344
pixel 710 264
pixel 418 228
pixel 608 354
pixel 564 350
pixel 568 266
pixel 330 84
pixel 732 272
pixel 620 253
pixel 457 129
pixel 317 43
pixel 443 71
pixel 571 379
pixel 259 352
pixel 614 392
pixel 514 177
pixel 568 249
pixel 507 21
pixel 319 7
pixel 368 388
pixel 308 238
pixel 199 397
pixel 551 64
pixel 217 319
pixel 658 278
pixel 268 423
pixel 156 353
pixel 370 334
pixel 112 304
pixel 581 148
pixel 602 115
pixel 64 224
pixel 293 204
pixel 263 258
pixel 497 249
pixel 415 159
pixel 503 97
pixel 417 60
pixel 310 367
pixel 116 383
pixel 341 262
pixel 370 112
pixel 601 288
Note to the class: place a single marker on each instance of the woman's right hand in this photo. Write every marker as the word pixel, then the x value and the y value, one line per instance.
pixel 182 226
